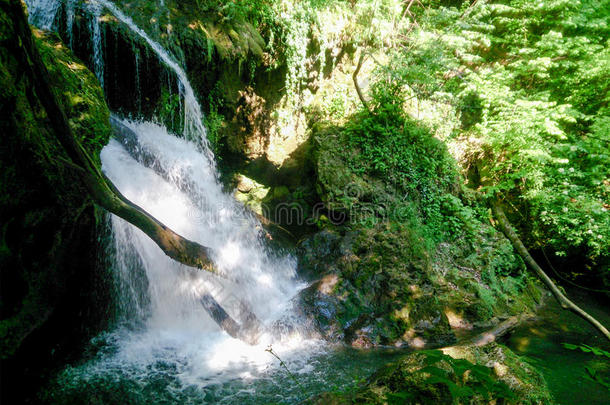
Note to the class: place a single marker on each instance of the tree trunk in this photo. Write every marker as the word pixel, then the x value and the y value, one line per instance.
pixel 355 78
pixel 529 260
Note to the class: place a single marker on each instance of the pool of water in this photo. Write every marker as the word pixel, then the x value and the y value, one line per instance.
pixel 323 368
pixel 315 367
pixel 540 343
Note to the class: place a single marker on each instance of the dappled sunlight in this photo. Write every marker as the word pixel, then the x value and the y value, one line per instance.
pixel 538 332
pixel 403 313
pixel 457 320
pixel 522 343
pixel 327 284
pixel 344 179
pixel 414 341
pixel 415 291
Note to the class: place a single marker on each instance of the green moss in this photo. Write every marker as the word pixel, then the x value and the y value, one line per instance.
pixel 48 219
pixel 421 249
pixel 80 94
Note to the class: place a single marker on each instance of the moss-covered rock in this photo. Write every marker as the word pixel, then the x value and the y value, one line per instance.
pixel 473 375
pixel 409 264
pixel 79 93
pixel 53 292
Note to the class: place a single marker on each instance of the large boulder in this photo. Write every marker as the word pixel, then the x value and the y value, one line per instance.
pixel 384 274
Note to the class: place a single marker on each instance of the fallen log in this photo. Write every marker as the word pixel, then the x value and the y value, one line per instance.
pixel 130 142
pixel 491 335
pixel 500 330
pixel 248 331
pixel 100 188
pixel 531 263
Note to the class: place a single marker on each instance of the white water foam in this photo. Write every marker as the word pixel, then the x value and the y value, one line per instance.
pixel 183 193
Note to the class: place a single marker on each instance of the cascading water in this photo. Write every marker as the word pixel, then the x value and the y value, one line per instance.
pixel 183 193
pixel 165 328
pixel 194 129
pixel 42 13
pixel 98 58
pixel 70 13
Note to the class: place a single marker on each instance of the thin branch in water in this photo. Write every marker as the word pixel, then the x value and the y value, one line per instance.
pixel 269 349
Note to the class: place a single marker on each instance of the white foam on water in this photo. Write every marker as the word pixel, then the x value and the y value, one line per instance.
pixel 183 193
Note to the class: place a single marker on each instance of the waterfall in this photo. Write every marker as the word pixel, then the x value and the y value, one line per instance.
pixel 42 13
pixel 175 179
pixel 96 36
pixel 70 12
pixel 194 129
pixel 136 54
pixel 177 185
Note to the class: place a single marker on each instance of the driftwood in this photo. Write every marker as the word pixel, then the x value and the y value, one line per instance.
pixel 531 263
pixel 491 335
pixel 499 330
pixel 106 195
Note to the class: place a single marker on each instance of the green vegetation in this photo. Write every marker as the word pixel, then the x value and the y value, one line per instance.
pixel 528 88
pixel 596 371
pixel 456 377
pixel 462 103
pixel 445 372
pixel 81 95
pixel 517 90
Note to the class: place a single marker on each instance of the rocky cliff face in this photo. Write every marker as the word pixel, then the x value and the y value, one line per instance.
pixel 53 289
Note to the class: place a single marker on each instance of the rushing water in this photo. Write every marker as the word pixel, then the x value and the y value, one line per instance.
pixel 42 12
pixel 98 57
pixel 164 328
pixel 167 329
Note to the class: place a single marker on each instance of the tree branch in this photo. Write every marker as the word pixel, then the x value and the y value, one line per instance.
pixel 529 260
pixel 355 78
pixel 106 195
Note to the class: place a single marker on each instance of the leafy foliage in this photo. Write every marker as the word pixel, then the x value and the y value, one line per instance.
pixel 394 148
pixel 587 349
pixel 592 372
pixel 528 87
